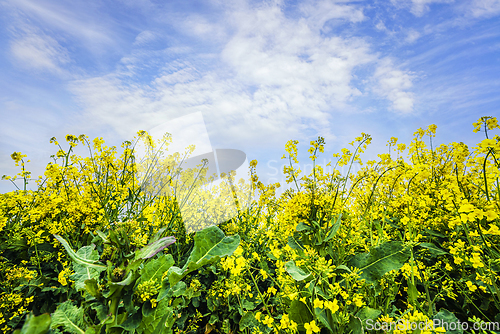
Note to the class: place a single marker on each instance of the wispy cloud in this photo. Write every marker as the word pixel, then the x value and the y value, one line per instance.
pixel 484 8
pixel 394 84
pixel 412 36
pixel 39 52
pixel 419 7
pixel 276 77
pixel 261 71
pixel 79 21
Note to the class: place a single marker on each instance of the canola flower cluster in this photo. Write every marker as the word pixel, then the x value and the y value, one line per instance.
pixel 409 238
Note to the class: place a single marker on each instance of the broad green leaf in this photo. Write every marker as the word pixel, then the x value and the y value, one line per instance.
pixel 210 244
pixel 299 313
pixel 36 325
pixel 131 322
pixel 295 243
pixel 100 310
pixel 303 227
pixel 322 315
pixel 69 317
pixel 445 317
pixel 294 271
pixel 248 320
pixel 175 274
pixel 179 289
pixel 91 287
pixel 355 325
pixel 342 267
pixel 248 305
pixel 154 320
pixel 75 257
pixel 380 260
pixel 434 233
pixel 155 268
pixel 85 272
pixel 368 313
pixel 154 248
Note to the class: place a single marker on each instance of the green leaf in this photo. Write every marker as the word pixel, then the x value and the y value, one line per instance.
pixel 131 323
pixel 342 267
pixel 78 259
pixel 334 229
pixel 248 320
pixel 179 289
pixel 433 249
pixel 103 236
pixel 100 309
pixel 368 313
pixel 248 305
pixel 303 227
pixel 91 287
pixel 155 268
pixel 85 272
pixel 380 260
pixel 299 313
pixel 210 245
pixel 294 271
pixel 434 233
pixel 322 315
pixel 295 244
pixel 355 325
pixel 69 317
pixel 445 318
pixel 36 325
pixel 155 321
pixel 154 248
pixel 412 291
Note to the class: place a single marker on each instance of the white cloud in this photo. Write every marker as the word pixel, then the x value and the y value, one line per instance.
pixel 412 36
pixel 275 78
pixel 484 8
pixel 380 26
pixel 144 37
pixel 393 84
pixel 320 12
pixel 199 26
pixel 419 7
pixel 39 52
pixel 77 20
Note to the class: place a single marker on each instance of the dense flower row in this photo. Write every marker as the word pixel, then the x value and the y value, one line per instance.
pixel 410 238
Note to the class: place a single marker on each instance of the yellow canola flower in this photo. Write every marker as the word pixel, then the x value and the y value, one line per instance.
pixel 471 286
pixel 318 303
pixel 332 305
pixel 311 327
pixel 268 321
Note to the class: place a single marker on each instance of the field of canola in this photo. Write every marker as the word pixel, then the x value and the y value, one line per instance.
pixel 411 238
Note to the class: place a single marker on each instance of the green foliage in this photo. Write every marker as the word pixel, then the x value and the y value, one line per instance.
pixel 35 325
pixel 380 260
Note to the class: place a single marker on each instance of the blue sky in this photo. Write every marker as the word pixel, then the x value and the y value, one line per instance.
pixel 261 72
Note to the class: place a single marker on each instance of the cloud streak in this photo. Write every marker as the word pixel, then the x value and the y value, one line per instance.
pixel 39 52
pixel 274 77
